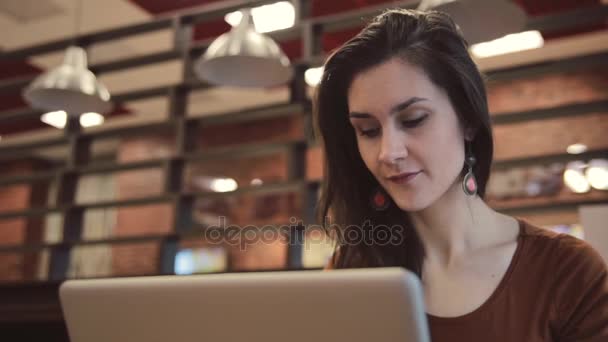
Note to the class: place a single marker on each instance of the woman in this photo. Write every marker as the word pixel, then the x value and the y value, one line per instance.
pixel 402 115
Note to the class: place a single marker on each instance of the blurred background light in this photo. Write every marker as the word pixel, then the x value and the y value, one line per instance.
pixel 510 43
pixel 267 18
pixel 59 118
pixel 575 179
pixel 313 76
pixel 597 174
pixel 576 148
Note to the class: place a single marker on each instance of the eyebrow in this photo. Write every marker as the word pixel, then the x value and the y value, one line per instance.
pixel 397 108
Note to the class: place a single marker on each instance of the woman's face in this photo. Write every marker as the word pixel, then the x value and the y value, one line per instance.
pixel 406 125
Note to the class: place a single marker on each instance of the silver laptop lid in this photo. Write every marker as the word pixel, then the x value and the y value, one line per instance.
pixel 355 305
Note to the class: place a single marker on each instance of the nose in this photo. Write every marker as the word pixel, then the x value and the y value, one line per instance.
pixel 392 147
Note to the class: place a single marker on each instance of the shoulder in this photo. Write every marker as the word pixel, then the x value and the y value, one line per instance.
pixel 532 231
pixel 569 252
pixel 576 277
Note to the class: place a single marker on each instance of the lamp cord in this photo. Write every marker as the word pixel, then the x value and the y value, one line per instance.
pixel 77 20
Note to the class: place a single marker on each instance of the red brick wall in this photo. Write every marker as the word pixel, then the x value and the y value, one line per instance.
pixel 13 198
pixel 241 210
pixel 271 130
pixel 548 90
pixel 518 140
pixel 141 258
pixel 550 136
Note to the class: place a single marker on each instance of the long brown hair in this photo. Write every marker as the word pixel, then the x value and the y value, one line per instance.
pixel 431 41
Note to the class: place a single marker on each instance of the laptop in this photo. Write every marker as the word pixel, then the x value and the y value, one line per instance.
pixel 355 305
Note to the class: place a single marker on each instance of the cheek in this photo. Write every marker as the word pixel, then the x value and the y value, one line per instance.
pixel 447 146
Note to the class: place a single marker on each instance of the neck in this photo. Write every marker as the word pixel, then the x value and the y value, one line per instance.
pixel 455 226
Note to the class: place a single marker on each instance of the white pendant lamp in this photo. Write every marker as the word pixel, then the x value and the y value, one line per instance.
pixel 244 58
pixel 70 87
pixel 481 20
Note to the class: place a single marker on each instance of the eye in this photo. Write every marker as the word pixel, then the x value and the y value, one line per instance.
pixel 370 133
pixel 414 123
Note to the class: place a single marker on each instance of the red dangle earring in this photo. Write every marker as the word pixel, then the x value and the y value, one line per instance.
pixel 469 183
pixel 379 200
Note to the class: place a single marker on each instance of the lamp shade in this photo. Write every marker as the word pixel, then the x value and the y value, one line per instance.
pixel 244 58
pixel 481 20
pixel 70 87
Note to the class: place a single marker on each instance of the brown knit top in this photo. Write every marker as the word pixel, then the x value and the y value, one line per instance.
pixel 555 289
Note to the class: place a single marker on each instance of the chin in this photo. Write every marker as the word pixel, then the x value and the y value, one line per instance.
pixel 412 204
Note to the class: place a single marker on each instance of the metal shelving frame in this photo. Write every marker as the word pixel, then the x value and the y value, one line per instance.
pixel 310 30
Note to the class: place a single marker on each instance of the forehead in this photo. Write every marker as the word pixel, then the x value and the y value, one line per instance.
pixel 378 89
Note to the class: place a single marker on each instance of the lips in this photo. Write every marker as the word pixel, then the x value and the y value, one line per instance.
pixel 403 177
